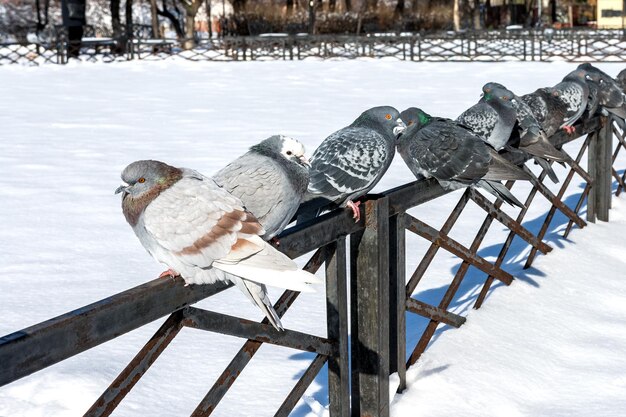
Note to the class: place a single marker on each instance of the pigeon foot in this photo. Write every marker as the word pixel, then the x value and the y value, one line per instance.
pixel 356 213
pixel 569 129
pixel 274 241
pixel 169 272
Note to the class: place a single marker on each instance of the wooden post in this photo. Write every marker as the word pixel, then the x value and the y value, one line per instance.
pixel 369 278
pixel 337 322
pixel 600 163
pixel 397 299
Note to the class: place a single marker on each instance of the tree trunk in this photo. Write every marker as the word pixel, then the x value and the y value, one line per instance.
pixel 456 15
pixel 399 10
pixel 238 6
pixel 191 9
pixel 290 7
pixel 116 22
pixel 332 5
pixel 371 5
pixel 348 4
pixel 129 18
pixel 156 32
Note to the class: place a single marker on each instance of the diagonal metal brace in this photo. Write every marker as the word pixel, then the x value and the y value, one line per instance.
pixel 555 200
pixel 434 313
pixel 427 232
pixel 511 224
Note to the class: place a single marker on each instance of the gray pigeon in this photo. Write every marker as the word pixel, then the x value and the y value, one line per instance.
pixel 270 179
pixel 351 161
pixel 204 233
pixel 577 95
pixel 492 118
pixel 610 95
pixel 528 136
pixel 548 109
pixel 452 154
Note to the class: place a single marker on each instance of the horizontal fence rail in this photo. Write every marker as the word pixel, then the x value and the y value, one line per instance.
pixel 449 46
pixel 378 284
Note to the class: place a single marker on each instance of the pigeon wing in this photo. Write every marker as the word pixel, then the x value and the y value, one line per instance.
pixel 348 163
pixel 481 118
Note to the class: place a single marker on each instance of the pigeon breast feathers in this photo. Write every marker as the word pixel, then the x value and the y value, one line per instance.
pixel 199 223
pixel 349 162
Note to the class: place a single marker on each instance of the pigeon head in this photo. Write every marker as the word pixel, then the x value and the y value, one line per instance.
pixel 499 95
pixel 283 148
pixel 145 181
pixel 489 87
pixel 578 76
pixel 383 119
pixel 415 117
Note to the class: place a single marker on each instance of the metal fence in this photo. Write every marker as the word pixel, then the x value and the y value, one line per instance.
pixel 361 352
pixel 472 46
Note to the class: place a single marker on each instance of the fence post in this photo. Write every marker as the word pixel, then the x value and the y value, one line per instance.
pixel 397 299
pixel 337 322
pixel 600 163
pixel 369 282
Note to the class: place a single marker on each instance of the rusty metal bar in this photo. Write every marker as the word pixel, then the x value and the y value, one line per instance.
pixel 507 243
pixel 454 247
pixel 507 221
pixel 552 211
pixel 434 313
pixel 554 200
pixel 337 328
pixel 44 344
pixel 137 367
pixel 301 386
pixel 456 282
pixel 250 347
pixel 369 270
pixel 433 249
pixel 200 319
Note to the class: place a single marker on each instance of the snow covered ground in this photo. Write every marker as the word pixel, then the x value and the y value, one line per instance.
pixel 549 345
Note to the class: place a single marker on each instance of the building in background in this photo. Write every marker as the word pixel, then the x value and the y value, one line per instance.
pixel 610 14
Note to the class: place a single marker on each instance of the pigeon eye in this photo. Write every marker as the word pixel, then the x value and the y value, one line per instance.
pixel 388 116
pixel 410 123
pixel 141 180
pixel 289 153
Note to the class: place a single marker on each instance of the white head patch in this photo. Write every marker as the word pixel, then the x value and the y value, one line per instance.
pixel 291 147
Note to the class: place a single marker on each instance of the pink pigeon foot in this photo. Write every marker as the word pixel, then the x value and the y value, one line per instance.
pixel 169 272
pixel 569 129
pixel 356 213
pixel 274 241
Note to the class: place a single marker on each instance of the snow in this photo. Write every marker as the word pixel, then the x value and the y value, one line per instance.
pixel 68 131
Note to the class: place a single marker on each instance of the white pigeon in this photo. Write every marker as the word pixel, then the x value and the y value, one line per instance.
pixel 204 233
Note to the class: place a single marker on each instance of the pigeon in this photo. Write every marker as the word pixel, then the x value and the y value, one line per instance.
pixel 204 233
pixel 456 157
pixel 610 95
pixel 351 161
pixel 529 137
pixel 492 118
pixel 549 110
pixel 270 179
pixel 576 93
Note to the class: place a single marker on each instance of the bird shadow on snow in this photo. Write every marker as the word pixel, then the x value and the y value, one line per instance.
pixel 315 403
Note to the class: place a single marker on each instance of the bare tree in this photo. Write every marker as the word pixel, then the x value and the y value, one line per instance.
pixel 191 9
pixel 456 15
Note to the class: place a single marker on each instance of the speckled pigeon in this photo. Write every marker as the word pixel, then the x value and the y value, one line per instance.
pixel 452 154
pixel 610 95
pixel 576 93
pixel 492 118
pixel 351 161
pixel 270 179
pixel 528 136
pixel 204 233
pixel 548 109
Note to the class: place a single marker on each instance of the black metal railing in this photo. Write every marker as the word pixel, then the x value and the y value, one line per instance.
pixel 448 46
pixel 363 352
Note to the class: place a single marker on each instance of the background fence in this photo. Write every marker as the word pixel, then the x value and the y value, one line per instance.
pixel 362 349
pixel 448 46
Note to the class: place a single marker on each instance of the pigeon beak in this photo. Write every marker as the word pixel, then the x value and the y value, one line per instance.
pixel 121 188
pixel 305 161
pixel 399 128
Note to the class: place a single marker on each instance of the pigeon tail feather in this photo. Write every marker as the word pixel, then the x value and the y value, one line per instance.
pixel 500 169
pixel 544 149
pixel 546 166
pixel 257 293
pixel 500 191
